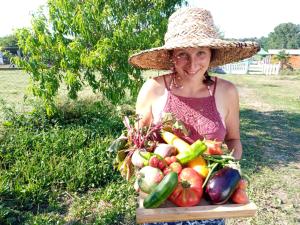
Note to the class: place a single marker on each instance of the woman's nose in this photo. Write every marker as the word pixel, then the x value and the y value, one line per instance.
pixel 193 63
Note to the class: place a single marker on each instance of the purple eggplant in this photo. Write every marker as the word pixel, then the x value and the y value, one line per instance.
pixel 221 186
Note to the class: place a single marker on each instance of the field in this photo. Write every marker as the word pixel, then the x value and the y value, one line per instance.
pixel 56 170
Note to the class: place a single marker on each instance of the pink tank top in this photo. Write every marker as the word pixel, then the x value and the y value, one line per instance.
pixel 200 115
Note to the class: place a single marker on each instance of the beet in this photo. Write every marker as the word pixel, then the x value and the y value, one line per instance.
pixel 221 186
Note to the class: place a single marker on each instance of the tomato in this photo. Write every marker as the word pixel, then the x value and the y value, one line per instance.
pixel 239 196
pixel 213 147
pixel 167 170
pixel 189 188
pixel 242 184
pixel 176 167
pixel 170 159
pixel 199 165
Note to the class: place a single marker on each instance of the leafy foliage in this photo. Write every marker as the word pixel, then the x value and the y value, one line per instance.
pixel 8 41
pixel 285 36
pixel 283 58
pixel 88 43
pixel 43 157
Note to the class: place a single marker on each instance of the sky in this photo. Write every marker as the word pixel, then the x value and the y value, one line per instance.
pixel 235 18
pixel 250 18
pixel 16 14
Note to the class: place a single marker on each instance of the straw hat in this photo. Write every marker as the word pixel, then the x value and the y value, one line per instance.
pixel 193 27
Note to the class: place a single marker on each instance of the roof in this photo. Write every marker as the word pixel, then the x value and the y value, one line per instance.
pixel 287 51
pixel 262 52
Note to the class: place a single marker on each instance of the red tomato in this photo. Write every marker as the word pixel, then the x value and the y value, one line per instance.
pixel 242 184
pixel 167 170
pixel 239 196
pixel 189 189
pixel 213 147
pixel 176 167
pixel 170 159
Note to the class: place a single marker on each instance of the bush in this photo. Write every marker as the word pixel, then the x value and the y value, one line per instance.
pixel 42 157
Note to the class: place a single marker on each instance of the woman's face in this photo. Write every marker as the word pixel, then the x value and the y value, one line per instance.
pixel 191 62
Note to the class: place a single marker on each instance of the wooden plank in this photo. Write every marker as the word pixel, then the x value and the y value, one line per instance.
pixel 170 213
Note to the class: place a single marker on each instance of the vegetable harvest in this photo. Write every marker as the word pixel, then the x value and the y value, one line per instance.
pixel 166 167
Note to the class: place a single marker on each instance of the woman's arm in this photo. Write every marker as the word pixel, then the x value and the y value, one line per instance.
pixel 232 122
pixel 148 94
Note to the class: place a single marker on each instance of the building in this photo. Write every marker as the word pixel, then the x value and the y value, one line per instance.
pixel 14 51
pixel 294 56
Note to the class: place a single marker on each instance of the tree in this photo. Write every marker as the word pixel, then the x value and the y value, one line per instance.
pixel 283 58
pixel 263 42
pixel 285 36
pixel 88 42
pixel 8 41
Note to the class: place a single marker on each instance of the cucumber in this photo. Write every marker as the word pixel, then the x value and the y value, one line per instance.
pixel 162 191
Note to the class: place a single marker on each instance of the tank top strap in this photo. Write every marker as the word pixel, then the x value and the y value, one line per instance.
pixel 166 84
pixel 215 86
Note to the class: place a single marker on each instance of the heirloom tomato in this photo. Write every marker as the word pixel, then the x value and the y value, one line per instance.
pixel 189 188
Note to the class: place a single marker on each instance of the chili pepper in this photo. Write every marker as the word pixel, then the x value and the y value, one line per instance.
pixel 197 148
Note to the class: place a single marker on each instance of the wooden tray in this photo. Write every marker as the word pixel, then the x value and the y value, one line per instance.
pixel 168 212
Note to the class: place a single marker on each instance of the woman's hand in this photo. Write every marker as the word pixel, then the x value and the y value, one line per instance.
pixel 236 146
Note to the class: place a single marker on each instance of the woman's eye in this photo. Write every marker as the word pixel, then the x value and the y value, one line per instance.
pixel 182 56
pixel 201 53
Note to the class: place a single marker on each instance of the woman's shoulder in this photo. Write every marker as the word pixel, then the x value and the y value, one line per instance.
pixel 152 90
pixel 156 85
pixel 225 86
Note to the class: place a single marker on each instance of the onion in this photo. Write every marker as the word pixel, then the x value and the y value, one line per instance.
pixel 165 150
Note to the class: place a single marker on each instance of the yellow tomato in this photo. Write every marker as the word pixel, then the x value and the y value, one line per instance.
pixel 199 164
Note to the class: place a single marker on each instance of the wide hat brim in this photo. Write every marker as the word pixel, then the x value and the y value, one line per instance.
pixel 224 52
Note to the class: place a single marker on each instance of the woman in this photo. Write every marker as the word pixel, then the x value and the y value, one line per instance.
pixel 208 106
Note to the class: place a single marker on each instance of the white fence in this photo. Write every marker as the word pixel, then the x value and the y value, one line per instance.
pixel 248 68
pixel 236 68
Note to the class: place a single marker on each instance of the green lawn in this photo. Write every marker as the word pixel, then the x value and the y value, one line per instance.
pixel 270 132
pixel 56 170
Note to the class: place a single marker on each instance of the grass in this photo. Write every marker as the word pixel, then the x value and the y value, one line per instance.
pixel 56 170
pixel 270 122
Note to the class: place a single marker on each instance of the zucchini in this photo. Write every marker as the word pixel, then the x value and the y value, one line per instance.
pixel 162 191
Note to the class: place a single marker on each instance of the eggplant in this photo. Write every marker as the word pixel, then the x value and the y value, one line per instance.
pixel 222 185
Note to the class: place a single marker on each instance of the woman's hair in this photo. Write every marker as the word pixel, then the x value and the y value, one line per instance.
pixel 207 79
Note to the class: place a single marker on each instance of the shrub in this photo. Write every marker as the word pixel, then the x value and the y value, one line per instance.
pixel 40 157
